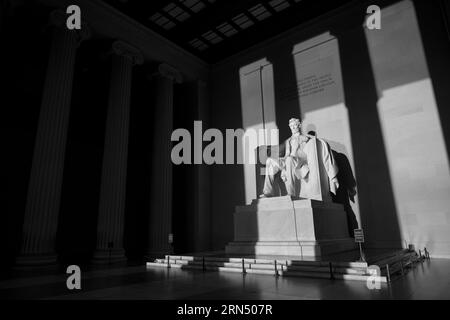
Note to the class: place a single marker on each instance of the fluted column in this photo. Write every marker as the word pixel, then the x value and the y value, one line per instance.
pixel 44 189
pixel 114 170
pixel 161 184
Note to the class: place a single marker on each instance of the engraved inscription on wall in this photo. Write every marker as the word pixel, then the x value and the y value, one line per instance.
pixel 309 85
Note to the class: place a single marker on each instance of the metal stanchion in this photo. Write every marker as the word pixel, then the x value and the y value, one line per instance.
pixel 275 264
pixel 243 266
pixel 388 274
pixel 427 254
pixel 168 261
pixel 331 271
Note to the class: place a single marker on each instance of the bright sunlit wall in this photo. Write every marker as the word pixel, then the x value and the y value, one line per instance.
pixel 381 112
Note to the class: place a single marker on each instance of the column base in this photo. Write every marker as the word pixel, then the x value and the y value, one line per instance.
pixel 105 256
pixel 36 259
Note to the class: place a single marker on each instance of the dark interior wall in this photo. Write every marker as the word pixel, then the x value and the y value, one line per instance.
pixel 378 208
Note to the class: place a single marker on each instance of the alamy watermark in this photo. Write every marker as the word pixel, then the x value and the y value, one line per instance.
pixel 373 21
pixel 236 146
pixel 74 280
pixel 374 280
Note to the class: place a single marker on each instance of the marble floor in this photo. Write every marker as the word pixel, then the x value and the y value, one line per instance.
pixel 429 280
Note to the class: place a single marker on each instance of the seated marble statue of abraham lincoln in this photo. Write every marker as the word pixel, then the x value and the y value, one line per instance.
pixel 294 165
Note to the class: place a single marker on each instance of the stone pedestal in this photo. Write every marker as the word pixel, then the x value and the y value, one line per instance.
pixel 289 227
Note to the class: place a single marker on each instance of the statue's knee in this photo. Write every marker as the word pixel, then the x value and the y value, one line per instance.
pixel 271 167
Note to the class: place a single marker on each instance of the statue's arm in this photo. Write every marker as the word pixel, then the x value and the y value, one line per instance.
pixel 287 149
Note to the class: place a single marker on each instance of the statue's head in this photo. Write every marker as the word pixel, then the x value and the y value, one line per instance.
pixel 295 125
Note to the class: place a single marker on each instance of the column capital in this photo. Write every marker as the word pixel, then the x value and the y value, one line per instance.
pixel 170 72
pixel 58 18
pixel 124 49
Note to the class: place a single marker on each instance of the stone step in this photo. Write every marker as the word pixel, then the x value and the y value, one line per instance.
pixel 282 272
pixel 217 259
pixel 355 270
pixel 213 264
pixel 355 264
pixel 380 259
pixel 361 271
pixel 324 268
pixel 267 266
pixel 338 276
pixel 383 279
pixel 264 268
pixel 156 264
pixel 200 263
pixel 260 271
pixel 304 274
pixel 395 258
pixel 397 267
pixel 383 256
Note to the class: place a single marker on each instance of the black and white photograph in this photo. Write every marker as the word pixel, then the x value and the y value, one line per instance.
pixel 226 156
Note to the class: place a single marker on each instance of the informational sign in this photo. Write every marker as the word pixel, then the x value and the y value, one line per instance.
pixel 359 235
pixel 170 237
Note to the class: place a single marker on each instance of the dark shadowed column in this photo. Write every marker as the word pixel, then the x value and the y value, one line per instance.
pixel 161 184
pixel 114 171
pixel 202 177
pixel 44 189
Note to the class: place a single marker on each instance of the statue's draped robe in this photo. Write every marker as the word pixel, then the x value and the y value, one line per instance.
pixel 330 166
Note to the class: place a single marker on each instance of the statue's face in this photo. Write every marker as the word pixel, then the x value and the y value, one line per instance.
pixel 295 127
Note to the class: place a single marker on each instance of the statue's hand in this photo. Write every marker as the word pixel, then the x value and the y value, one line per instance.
pixel 304 138
pixel 304 170
pixel 336 183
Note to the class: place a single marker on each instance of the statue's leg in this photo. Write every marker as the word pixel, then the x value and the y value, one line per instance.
pixel 272 168
pixel 291 178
